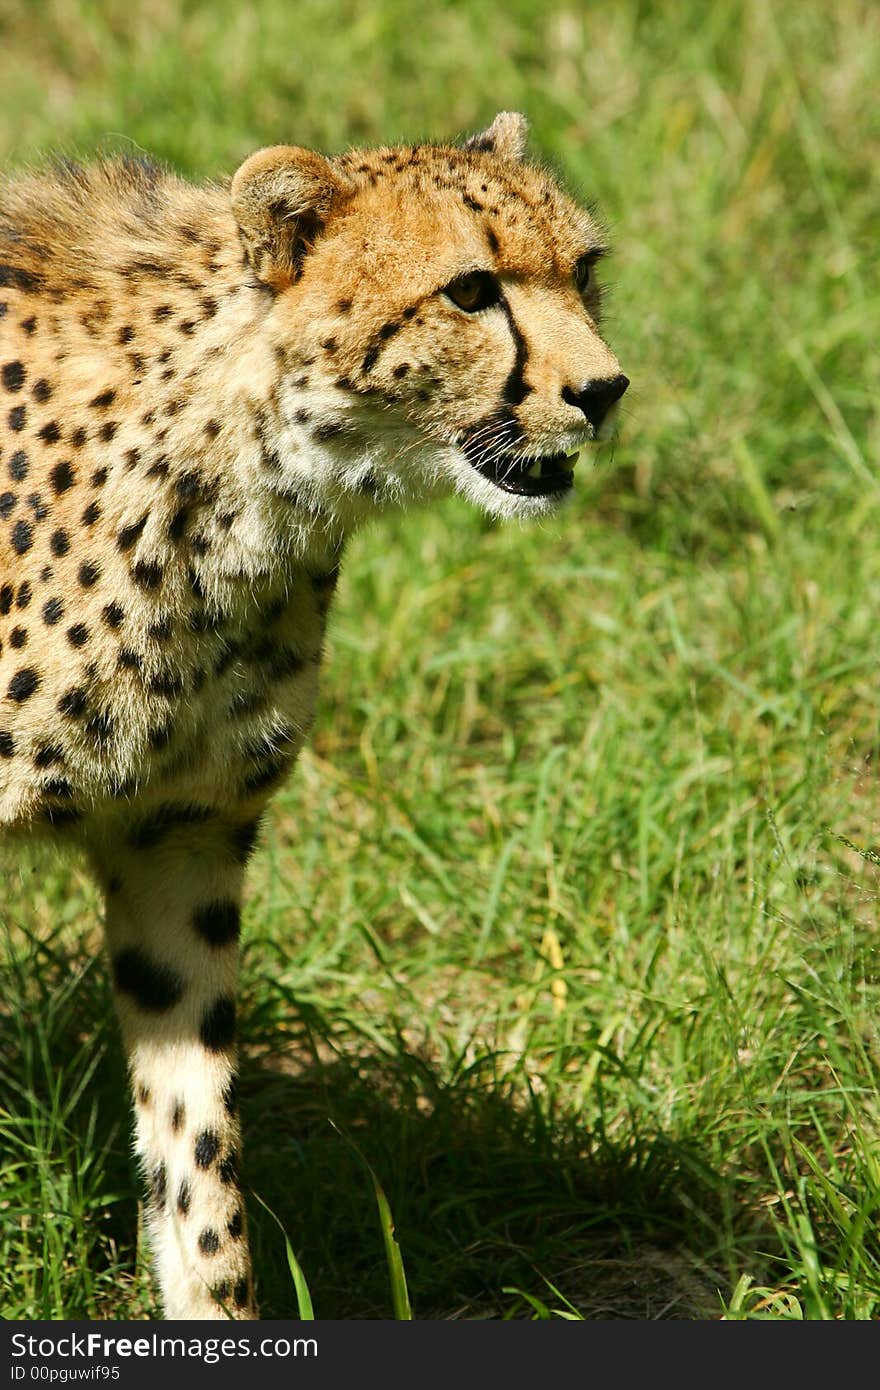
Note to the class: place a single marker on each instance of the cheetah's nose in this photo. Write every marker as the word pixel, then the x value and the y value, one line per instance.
pixel 597 397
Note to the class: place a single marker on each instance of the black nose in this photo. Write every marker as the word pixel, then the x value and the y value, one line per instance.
pixel 597 397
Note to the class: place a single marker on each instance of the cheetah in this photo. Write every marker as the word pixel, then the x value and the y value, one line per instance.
pixel 204 390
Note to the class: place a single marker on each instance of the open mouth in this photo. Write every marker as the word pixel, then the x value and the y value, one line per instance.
pixel 536 477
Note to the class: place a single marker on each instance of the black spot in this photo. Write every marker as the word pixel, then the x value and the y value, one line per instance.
pixel 343 306
pixel 99 477
pixel 159 1184
pixel 165 683
pixel 207 1148
pixel 91 514
pixel 78 635
pixel 244 837
pixel 79 436
pixel 209 1242
pixel 160 737
pixel 492 240
pixel 217 1030
pixel 148 574
pixel 17 418
pixel 53 611
pixel 155 987
pixel 240 1294
pixel 370 358
pixel 73 702
pixel 178 523
pixel 50 433
pixel 264 775
pixel 113 615
pixel 18 466
pixel 329 344
pixel 108 431
pixel 401 370
pixel 37 506
pixel 23 596
pixel 132 458
pixel 58 786
pixel 30 325
pixel 329 430
pixel 212 429
pixel 6 595
pixel 283 663
pixel 218 922
pixel 183 1198
pixel 22 537
pixel 163 311
pixel 89 573
pixel 130 534
pixel 13 375
pixel 18 637
pixel 125 335
pixel 388 330
pixel 236 1225
pixel 178 1116
pixel 100 727
pixel 128 660
pixel 7 502
pixel 150 831
pixel 23 684
pixel 7 744
pixel 48 754
pixel 187 327
pixel 61 477
pixel 59 542
pixel 41 390
pixel 228 1169
pixel 104 399
pixel 161 630
pixel 230 1096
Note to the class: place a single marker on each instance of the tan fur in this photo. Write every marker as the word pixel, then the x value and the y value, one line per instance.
pixel 203 390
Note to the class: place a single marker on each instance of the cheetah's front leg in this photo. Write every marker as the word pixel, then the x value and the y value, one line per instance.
pixel 172 928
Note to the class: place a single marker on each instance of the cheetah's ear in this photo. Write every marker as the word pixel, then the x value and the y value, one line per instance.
pixel 506 136
pixel 281 198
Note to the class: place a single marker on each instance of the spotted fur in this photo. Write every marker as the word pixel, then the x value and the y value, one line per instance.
pixel 203 391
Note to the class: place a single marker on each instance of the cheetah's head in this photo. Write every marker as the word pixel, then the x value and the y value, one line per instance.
pixel 435 312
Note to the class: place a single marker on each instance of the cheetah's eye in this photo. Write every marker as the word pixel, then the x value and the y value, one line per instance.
pixel 473 292
pixel 583 271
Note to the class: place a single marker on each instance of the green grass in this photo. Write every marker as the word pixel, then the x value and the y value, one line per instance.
pixel 567 925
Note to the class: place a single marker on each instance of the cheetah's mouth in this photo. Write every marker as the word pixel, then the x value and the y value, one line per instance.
pixel 535 477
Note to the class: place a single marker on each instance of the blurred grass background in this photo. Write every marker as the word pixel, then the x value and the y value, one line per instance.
pixel 569 916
